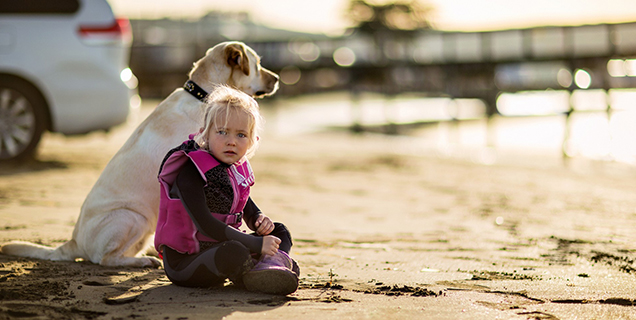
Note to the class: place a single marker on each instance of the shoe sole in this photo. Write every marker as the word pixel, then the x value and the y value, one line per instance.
pixel 272 281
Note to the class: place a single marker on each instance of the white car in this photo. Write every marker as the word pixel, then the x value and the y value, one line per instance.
pixel 63 68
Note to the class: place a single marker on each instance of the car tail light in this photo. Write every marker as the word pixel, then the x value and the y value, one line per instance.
pixel 119 29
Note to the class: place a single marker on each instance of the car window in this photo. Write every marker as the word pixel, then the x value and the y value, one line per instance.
pixel 39 6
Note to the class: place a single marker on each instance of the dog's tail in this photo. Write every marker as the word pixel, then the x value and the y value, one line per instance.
pixel 66 252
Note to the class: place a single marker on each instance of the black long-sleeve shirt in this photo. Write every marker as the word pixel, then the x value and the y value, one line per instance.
pixel 189 187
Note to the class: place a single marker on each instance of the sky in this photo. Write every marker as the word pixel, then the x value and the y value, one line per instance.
pixel 328 16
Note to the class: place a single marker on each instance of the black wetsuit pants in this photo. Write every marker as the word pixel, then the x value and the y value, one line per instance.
pixel 222 260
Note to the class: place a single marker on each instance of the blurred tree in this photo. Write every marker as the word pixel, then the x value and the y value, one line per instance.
pixel 392 26
pixel 397 17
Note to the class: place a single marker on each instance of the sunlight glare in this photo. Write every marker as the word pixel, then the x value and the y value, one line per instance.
pixel 564 78
pixel 596 99
pixel 344 57
pixel 623 131
pixel 590 136
pixel 533 103
pixel 307 51
pixel 616 68
pixel 630 67
pixel 126 75
pixel 290 75
pixel 582 79
pixel 622 99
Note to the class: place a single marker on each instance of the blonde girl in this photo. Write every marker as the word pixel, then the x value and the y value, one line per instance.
pixel 205 187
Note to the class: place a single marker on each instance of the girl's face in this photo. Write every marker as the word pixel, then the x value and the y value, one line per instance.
pixel 229 142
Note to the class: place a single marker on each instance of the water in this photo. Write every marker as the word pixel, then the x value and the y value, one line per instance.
pixel 591 131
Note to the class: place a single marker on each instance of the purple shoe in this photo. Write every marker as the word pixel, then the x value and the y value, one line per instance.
pixel 273 275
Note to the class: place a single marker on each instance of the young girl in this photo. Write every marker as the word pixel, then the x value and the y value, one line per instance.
pixel 205 185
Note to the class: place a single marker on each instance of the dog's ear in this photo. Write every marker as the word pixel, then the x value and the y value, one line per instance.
pixel 236 57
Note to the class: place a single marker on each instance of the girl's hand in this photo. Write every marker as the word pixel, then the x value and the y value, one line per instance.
pixel 270 245
pixel 264 225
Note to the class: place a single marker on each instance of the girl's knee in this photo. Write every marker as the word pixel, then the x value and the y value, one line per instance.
pixel 232 256
pixel 280 228
pixel 281 231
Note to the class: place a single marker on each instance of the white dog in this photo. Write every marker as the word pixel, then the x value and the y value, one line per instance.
pixel 119 215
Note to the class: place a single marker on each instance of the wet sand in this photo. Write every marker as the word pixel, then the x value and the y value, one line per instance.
pixel 382 230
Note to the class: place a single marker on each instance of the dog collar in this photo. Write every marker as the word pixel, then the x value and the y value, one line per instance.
pixel 195 90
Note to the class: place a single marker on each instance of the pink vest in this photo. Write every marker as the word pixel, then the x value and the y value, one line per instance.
pixel 175 228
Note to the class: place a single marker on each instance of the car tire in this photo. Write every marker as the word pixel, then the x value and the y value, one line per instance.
pixel 23 119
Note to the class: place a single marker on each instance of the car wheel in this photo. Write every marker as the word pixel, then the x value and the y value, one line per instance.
pixel 22 120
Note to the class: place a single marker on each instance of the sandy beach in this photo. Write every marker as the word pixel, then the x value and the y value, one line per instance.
pixel 382 230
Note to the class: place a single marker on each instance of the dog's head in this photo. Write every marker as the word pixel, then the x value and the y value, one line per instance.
pixel 235 64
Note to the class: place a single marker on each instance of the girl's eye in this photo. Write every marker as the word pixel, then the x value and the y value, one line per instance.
pixel 222 132
pixel 242 135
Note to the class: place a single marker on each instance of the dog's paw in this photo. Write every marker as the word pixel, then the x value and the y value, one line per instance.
pixel 153 262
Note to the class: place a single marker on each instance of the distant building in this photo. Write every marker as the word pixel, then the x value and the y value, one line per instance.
pixel 455 64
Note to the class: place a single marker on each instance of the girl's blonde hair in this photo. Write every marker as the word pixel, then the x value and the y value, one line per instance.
pixel 224 100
